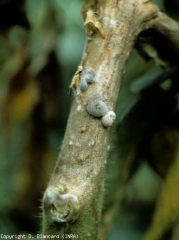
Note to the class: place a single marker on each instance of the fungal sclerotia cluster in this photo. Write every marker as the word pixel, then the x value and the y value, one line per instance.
pixel 81 79
pixel 87 76
pixel 95 105
pixel 97 108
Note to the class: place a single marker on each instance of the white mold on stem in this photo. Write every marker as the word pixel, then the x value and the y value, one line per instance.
pixel 108 119
pixel 60 207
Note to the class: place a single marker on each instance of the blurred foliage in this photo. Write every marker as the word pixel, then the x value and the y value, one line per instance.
pixel 41 45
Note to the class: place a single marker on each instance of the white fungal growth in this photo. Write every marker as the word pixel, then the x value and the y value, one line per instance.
pixel 95 105
pixel 60 207
pixel 99 72
pixel 91 143
pixel 108 119
pixel 114 23
pixel 79 108
pixel 106 20
pixel 71 143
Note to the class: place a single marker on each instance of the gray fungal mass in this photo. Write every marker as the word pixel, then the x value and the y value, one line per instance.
pixel 95 106
pixel 83 85
pixel 87 75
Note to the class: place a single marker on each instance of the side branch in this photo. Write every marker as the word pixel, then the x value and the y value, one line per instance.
pixel 169 28
pixel 163 34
